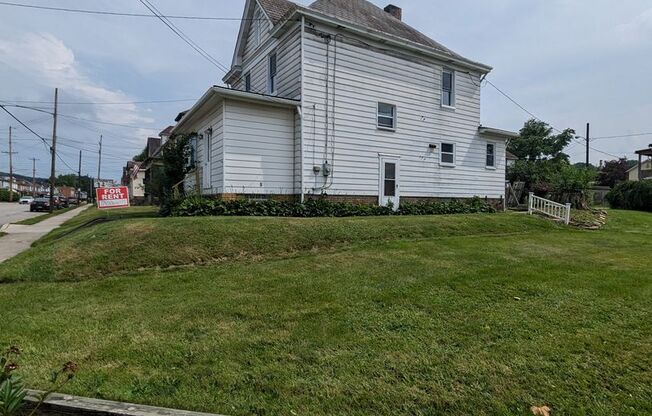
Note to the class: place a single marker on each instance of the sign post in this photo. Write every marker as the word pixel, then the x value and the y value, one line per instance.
pixel 112 198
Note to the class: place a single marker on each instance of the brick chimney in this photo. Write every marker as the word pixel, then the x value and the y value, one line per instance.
pixel 395 11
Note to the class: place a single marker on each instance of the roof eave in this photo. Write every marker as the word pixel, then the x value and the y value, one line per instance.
pixel 390 39
pixel 497 133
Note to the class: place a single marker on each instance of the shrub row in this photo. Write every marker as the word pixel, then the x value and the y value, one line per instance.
pixel 196 206
pixel 4 195
pixel 632 195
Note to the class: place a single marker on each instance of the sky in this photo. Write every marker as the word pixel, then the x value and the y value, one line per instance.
pixel 568 62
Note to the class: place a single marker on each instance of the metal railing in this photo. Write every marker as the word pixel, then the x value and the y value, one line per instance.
pixel 549 208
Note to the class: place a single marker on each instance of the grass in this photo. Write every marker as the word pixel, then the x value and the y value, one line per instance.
pixel 37 219
pixel 138 243
pixel 2 234
pixel 437 316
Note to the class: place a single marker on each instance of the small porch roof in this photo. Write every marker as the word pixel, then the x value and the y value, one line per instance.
pixel 497 133
pixel 645 152
pixel 215 94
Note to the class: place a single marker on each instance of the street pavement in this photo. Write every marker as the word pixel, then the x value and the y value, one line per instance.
pixel 13 212
pixel 20 237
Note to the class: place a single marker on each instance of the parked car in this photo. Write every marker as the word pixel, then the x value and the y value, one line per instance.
pixel 39 204
pixel 63 202
pixel 26 200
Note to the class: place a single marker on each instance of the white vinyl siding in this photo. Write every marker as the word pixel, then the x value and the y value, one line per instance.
pixel 258 32
pixel 288 67
pixel 364 77
pixel 260 149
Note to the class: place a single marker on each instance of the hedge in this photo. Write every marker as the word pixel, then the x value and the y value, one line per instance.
pixel 197 206
pixel 4 195
pixel 632 195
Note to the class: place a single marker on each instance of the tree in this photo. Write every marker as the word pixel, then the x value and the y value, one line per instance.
pixel 613 172
pixel 140 157
pixel 71 180
pixel 536 142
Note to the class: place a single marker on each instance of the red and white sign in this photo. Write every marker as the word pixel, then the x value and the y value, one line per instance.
pixel 110 198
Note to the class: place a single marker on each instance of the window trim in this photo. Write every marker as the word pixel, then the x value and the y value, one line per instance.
pixel 247 79
pixel 272 78
pixel 453 101
pixel 441 153
pixel 486 154
pixel 394 116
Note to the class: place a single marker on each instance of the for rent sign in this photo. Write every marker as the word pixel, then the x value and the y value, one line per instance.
pixel 116 197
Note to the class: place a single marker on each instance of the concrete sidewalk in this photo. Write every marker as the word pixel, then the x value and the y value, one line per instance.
pixel 20 237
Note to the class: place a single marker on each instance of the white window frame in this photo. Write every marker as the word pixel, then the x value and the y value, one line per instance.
pixel 394 116
pixel 486 154
pixel 272 78
pixel 441 154
pixel 452 103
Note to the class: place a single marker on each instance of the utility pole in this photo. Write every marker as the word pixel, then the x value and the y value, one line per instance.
pixel 99 162
pixel 53 150
pixel 11 169
pixel 34 176
pixel 79 179
pixel 588 140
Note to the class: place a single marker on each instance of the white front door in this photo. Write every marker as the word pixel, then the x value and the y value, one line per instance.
pixel 207 166
pixel 389 181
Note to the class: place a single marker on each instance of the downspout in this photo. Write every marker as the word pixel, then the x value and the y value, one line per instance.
pixel 301 163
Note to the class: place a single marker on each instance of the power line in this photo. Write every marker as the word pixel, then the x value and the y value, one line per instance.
pixel 183 36
pixel 102 102
pixel 622 136
pixel 109 13
pixel 539 119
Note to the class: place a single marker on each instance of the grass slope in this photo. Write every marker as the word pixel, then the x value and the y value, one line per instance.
pixel 147 243
pixel 468 324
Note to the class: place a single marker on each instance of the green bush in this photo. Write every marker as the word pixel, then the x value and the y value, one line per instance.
pixel 4 195
pixel 194 206
pixel 632 195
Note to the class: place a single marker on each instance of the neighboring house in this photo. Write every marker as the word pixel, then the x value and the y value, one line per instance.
pixel 646 171
pixel 510 158
pixel 151 168
pixel 133 178
pixel 343 99
pixel 104 183
pixel 67 191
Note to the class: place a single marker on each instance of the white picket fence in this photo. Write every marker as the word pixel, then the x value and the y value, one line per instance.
pixel 549 208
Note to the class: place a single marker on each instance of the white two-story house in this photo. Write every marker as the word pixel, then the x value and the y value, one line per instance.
pixel 344 100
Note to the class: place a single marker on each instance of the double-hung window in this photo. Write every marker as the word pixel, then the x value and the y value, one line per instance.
pixel 386 116
pixel 248 82
pixel 448 88
pixel 272 74
pixel 447 154
pixel 491 155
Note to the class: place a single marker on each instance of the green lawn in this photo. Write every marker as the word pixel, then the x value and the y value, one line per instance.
pixel 372 316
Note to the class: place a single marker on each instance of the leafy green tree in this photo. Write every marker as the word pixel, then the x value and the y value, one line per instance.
pixel 166 182
pixel 536 141
pixel 140 157
pixel 71 180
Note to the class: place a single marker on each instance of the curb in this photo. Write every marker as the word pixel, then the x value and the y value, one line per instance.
pixel 63 404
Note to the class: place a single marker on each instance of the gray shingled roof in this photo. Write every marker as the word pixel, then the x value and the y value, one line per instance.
pixel 276 10
pixel 361 13
pixel 366 14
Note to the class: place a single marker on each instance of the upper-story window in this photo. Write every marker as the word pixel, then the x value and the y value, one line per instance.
pixel 272 74
pixel 248 82
pixel 448 88
pixel 386 116
pixel 447 154
pixel 491 155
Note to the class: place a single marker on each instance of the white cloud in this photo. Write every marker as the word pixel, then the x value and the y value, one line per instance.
pixel 48 61
pixel 637 31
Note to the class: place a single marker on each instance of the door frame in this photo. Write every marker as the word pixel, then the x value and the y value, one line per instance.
pixel 382 200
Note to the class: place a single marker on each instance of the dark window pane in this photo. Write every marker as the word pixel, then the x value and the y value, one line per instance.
pixel 248 82
pixel 386 122
pixel 447 148
pixel 447 158
pixel 447 88
pixel 447 81
pixel 490 155
pixel 386 109
pixel 272 64
pixel 390 171
pixel 390 187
